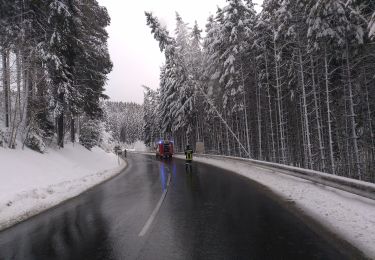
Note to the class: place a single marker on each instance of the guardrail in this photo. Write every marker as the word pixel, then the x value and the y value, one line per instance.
pixel 361 188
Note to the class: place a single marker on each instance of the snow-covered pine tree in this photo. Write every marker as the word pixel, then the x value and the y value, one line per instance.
pixel 151 124
pixel 168 85
pixel 214 45
pixel 320 36
pixel 177 84
pixel 271 13
pixel 237 25
pixel 181 70
pixel 196 65
pixel 292 26
pixel 263 39
pixel 295 67
pixel 61 59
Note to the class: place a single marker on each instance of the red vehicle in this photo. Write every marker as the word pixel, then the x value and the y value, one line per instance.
pixel 164 149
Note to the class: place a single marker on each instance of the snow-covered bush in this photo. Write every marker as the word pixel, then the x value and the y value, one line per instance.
pixel 90 133
pixel 107 142
pixel 35 142
pixel 4 137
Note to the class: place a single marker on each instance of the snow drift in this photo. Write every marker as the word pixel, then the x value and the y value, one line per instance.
pixel 33 182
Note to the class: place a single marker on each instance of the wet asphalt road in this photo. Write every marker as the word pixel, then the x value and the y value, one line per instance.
pixel 208 213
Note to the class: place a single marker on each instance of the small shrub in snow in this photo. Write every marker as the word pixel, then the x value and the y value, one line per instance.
pixel 90 134
pixel 2 138
pixel 35 142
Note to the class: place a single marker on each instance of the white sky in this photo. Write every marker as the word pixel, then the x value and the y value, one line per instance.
pixel 134 52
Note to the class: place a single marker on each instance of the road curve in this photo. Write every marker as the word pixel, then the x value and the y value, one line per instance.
pixel 204 213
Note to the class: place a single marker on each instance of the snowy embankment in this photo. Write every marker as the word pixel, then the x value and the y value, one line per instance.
pixel 32 182
pixel 350 216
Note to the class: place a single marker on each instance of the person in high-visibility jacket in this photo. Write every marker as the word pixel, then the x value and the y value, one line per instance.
pixel 189 154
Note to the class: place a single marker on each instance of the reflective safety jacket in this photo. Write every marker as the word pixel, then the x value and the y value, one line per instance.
pixel 189 155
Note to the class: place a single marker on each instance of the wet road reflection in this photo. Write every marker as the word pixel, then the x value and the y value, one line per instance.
pixel 208 213
pixel 163 176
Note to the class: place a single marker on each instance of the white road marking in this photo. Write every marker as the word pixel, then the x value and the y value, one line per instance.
pixel 156 210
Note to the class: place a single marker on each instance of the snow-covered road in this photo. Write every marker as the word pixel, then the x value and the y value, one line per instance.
pixel 32 182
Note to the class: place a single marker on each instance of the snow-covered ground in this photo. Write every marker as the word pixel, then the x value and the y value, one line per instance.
pixel 32 182
pixel 137 146
pixel 350 216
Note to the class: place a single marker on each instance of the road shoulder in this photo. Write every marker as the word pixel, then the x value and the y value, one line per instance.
pixel 349 216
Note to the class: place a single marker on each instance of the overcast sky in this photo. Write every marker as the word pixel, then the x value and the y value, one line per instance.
pixel 134 52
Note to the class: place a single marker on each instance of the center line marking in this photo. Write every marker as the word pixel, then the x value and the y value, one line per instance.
pixel 156 210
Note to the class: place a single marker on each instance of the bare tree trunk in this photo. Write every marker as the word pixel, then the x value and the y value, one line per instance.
pixel 259 117
pixel 369 121
pixel 60 123
pixel 197 128
pixel 245 111
pixel 9 89
pixel 60 130
pixel 234 151
pixel 72 130
pixel 218 137
pixel 18 103
pixel 239 136
pixel 79 127
pixel 279 105
pixel 29 96
pixel 214 144
pixel 270 111
pixel 317 118
pixel 305 112
pixel 228 142
pixel 305 153
pixel 26 99
pixel 347 144
pixel 329 120
pixel 221 138
pixel 277 133
pixel 352 115
pixel 5 87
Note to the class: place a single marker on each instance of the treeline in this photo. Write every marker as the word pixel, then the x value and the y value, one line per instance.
pixel 124 121
pixel 54 64
pixel 293 84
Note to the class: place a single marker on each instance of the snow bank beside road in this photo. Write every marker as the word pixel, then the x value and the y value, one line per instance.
pixel 350 216
pixel 32 182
